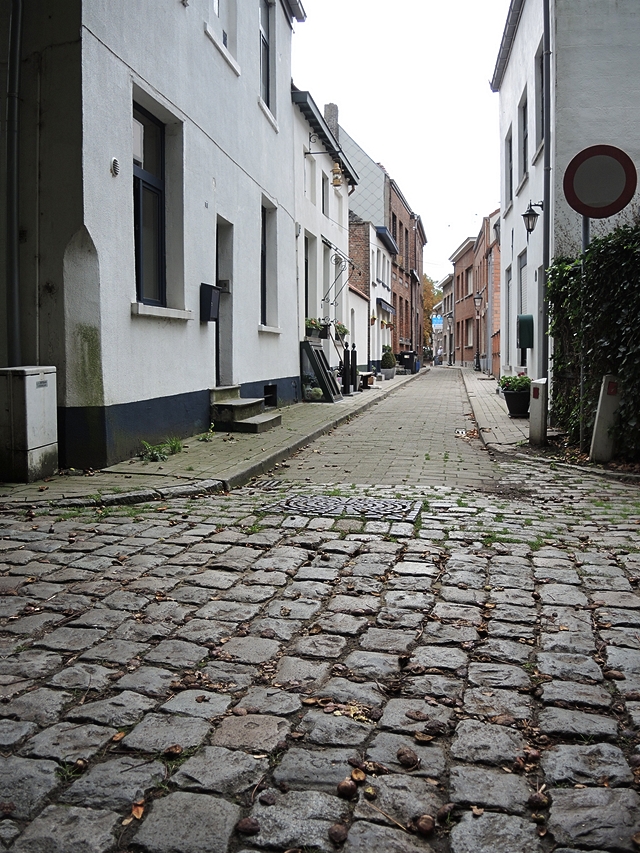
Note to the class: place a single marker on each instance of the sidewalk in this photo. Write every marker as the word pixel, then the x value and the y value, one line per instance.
pixel 230 460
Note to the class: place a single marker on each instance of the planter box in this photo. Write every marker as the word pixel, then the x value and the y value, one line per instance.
pixel 517 403
pixel 388 372
pixel 310 332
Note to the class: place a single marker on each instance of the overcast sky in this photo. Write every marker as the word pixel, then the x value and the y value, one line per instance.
pixel 411 80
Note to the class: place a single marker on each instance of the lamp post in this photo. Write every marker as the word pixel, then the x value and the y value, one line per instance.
pixel 449 330
pixel 530 217
pixel 477 301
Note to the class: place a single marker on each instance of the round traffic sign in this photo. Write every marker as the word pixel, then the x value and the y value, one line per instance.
pixel 600 181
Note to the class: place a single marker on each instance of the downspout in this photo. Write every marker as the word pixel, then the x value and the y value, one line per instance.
pixel 14 348
pixel 546 195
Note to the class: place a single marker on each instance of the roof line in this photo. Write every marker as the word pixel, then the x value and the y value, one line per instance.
pixel 510 28
pixel 314 117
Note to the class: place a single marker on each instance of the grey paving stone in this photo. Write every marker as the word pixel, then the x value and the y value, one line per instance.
pixel 251 732
pixel 466 614
pixel 441 632
pixel 362 605
pixel 13 731
pixel 463 595
pixel 563 722
pixel 591 695
pixel 595 817
pixel 251 649
pixel 343 690
pixel 365 837
pixel 301 769
pixel 439 657
pixel 281 629
pixel 142 632
pixel 492 788
pixel 204 631
pixel 477 741
pixel 434 685
pixel 197 703
pixel 228 611
pixel 384 749
pixel 99 617
pixel 413 568
pixel 317 589
pixel 30 625
pixel 82 676
pixel 494 833
pixel 395 715
pixel 115 651
pixel 301 608
pixel 298 818
pixel 398 617
pixel 387 640
pixel 312 673
pixel 31 663
pixel 124 709
pixel 505 650
pixel 491 703
pixel 319 646
pixel 627 660
pixel 270 700
pixel 569 667
pixel 42 706
pixel 254 594
pixel 177 653
pixel 230 676
pixel 64 829
pixel 617 599
pixel 214 579
pixel 188 823
pixel 409 600
pixel 24 785
pixel 401 798
pixel 150 680
pixel 327 730
pixel 511 630
pixel 568 642
pixel 217 770
pixel 115 784
pixel 68 742
pixel 622 637
pixel 157 732
pixel 597 764
pixel 372 664
pixel 618 616
pixel 512 613
pixel 123 600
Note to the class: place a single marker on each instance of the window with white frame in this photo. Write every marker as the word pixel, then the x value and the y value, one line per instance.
pixel 325 194
pixel 539 107
pixel 469 280
pixel 523 128
pixel 268 265
pixel 265 53
pixel 508 169
pixel 468 330
pixel 507 312
pixel 522 283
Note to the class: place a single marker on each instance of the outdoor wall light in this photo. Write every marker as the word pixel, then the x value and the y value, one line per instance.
pixel 477 299
pixel 530 216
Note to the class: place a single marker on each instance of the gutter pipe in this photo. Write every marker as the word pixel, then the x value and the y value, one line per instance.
pixel 546 197
pixel 14 347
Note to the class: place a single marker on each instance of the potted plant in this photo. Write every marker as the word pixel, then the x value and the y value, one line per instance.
pixel 388 363
pixel 517 392
pixel 341 330
pixel 315 328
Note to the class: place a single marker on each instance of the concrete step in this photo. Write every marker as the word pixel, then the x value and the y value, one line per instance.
pixel 232 410
pixel 258 423
pixel 224 392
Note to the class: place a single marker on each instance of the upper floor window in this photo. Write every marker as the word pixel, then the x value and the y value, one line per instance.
pixel 539 107
pixel 265 52
pixel 469 280
pixel 508 168
pixel 524 138
pixel 149 207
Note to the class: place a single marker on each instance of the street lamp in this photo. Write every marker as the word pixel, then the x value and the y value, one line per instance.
pixel 449 328
pixel 530 216
pixel 477 301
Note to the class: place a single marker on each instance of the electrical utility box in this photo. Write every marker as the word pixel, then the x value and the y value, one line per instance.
pixel 28 424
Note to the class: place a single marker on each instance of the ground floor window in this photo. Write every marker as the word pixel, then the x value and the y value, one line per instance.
pixel 149 207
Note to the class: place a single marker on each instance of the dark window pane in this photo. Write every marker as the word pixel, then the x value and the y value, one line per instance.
pixel 150 255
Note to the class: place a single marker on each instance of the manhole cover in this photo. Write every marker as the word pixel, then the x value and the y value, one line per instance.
pixel 373 508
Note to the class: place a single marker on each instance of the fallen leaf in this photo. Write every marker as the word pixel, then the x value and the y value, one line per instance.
pixel 118 736
pixel 477 810
pixel 176 749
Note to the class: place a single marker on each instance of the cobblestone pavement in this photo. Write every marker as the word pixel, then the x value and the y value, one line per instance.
pixel 205 675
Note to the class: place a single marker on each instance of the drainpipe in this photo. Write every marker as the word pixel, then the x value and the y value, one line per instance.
pixel 546 197
pixel 14 348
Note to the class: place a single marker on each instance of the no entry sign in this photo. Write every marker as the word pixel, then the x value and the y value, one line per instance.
pixel 600 181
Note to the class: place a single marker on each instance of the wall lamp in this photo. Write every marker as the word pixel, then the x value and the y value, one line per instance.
pixel 530 216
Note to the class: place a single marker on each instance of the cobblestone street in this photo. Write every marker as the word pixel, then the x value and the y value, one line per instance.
pixel 396 641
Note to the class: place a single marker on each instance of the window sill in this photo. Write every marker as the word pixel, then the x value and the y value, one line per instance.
pixel 539 151
pixel 139 309
pixel 508 208
pixel 224 52
pixel 523 181
pixel 269 115
pixel 269 330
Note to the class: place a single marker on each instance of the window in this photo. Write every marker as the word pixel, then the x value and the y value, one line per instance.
pixel 394 226
pixel 268 286
pixel 507 313
pixel 265 52
pixel 522 283
pixel 539 96
pixel 468 329
pixel 148 207
pixel 224 23
pixel 524 138
pixel 508 168
pixel 325 194
pixel 469 280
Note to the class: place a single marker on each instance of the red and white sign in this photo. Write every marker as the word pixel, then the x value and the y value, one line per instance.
pixel 600 181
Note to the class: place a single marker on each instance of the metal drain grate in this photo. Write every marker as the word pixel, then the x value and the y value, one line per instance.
pixel 390 509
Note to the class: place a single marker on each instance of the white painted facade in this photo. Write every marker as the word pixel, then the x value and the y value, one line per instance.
pixel 595 90
pixel 128 369
pixel 322 179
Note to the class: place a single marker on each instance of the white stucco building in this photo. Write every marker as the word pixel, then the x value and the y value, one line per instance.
pixel 156 151
pixel 585 94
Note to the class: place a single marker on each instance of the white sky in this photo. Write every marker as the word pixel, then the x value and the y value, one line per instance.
pixel 411 80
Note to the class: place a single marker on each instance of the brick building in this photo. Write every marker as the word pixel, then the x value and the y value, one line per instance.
pixel 463 307
pixel 486 282
pixel 406 274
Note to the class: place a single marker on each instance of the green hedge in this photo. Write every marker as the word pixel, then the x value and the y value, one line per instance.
pixel 597 310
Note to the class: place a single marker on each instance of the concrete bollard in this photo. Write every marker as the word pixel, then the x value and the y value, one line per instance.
pixel 538 412
pixel 602 441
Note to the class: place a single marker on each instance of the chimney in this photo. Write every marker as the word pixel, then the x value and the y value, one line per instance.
pixel 331 118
